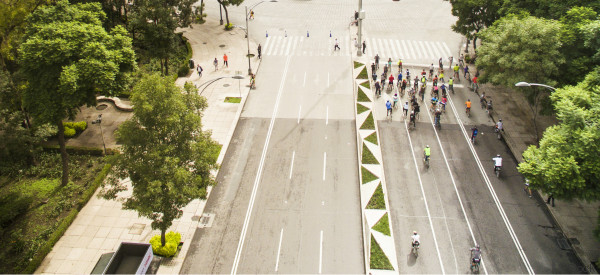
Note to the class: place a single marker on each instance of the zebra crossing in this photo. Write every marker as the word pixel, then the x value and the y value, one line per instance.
pixel 407 50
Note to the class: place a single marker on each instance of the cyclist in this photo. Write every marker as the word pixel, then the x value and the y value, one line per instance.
pixel 400 64
pixel 390 64
pixel 468 103
pixel 497 162
pixel 377 62
pixel 415 239
pixel 438 114
pixel 416 86
pixel 423 73
pixel 435 91
pixel 443 102
pixel 430 70
pixel 435 80
pixel 403 87
pixel 461 60
pixel 374 75
pixel 441 63
pixel 475 85
pixel 416 109
pixel 475 255
pixel 427 153
pixel 388 105
pixel 412 118
pixel 391 79
pixel 442 76
pixel 382 81
pixel 500 125
pixel 405 108
pixel 399 78
pixel 434 101
pixel 408 76
pixel 455 69
pixel 474 132
pixel 377 89
pixel 466 70
pixel 489 106
pixel 443 87
pixel 482 100
pixel 451 85
pixel 395 101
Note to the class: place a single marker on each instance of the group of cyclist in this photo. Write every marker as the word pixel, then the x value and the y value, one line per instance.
pixel 475 251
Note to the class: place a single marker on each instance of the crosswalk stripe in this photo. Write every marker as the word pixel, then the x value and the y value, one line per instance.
pixel 370 46
pixel 271 46
pixel 400 53
pixel 418 47
pixel 267 43
pixel 289 45
pixel 395 54
pixel 449 53
pixel 295 43
pixel 436 50
pixel 430 50
pixel 406 49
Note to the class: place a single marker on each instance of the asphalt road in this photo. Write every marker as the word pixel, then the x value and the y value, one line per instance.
pixel 458 201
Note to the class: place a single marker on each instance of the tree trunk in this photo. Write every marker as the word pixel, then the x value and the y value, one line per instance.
pixel 475 43
pixel 467 46
pixel 163 237
pixel 167 65
pixel 226 15
pixel 63 153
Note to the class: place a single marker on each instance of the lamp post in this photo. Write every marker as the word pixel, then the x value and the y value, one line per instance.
pixel 99 121
pixel 361 15
pixel 248 33
pixel 527 84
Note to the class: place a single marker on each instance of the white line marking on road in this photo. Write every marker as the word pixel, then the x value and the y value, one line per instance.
pixel 327 116
pixel 292 166
pixel 261 164
pixel 324 163
pixel 321 253
pixel 507 223
pixel 304 81
pixel 299 110
pixel 279 250
pixel 437 249
pixel 455 189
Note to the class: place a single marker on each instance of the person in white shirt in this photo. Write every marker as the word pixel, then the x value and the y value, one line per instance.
pixel 415 239
pixel 497 162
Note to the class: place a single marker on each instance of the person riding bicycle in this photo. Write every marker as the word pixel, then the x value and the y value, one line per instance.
pixel 468 103
pixel 438 114
pixel 489 105
pixel 451 84
pixel 400 64
pixel 497 162
pixel 500 125
pixel 412 118
pixel 434 101
pixel 476 255
pixel 403 85
pixel 443 102
pixel 388 106
pixel 427 152
pixel 377 89
pixel 415 239
pixel 395 100
pixel 474 132
pixel 391 79
pixel 377 62
pixel 443 87
pixel 390 64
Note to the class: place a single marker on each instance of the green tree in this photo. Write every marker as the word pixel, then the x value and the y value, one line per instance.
pixel 474 16
pixel 521 48
pixel 225 3
pixel 573 47
pixel 549 9
pixel 591 37
pixel 153 23
pixel 166 154
pixel 68 59
pixel 566 163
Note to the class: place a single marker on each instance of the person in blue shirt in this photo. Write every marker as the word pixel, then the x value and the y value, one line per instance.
pixel 474 132
pixel 388 105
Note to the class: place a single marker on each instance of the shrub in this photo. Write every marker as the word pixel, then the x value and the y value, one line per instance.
pixel 183 70
pixel 13 205
pixel 70 132
pixel 80 126
pixel 171 244
pixel 228 27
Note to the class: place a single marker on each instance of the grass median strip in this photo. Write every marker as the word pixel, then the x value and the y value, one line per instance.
pixel 378 259
pixel 233 99
pixel 362 97
pixel 368 124
pixel 357 64
pixel 360 108
pixel 367 176
pixel 372 138
pixel 366 84
pixel 383 225
pixel 363 74
pixel 367 156
pixel 377 201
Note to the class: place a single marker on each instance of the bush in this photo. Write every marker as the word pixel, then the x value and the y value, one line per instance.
pixel 228 27
pixel 80 126
pixel 76 150
pixel 171 245
pixel 183 70
pixel 70 132
pixel 13 205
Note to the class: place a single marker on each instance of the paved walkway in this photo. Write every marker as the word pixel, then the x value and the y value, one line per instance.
pixel 102 224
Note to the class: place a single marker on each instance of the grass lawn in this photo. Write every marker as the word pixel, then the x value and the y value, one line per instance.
pixel 367 176
pixel 363 74
pixel 47 205
pixel 383 225
pixel 367 156
pixel 357 64
pixel 378 258
pixel 360 108
pixel 233 99
pixel 366 84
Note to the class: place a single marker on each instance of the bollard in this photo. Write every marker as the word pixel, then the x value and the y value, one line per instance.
pixel 307 34
pixel 267 33
pixel 329 33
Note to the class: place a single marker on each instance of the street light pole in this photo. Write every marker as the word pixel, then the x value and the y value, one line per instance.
pixel 248 41
pixel 99 120
pixel 527 84
pixel 360 15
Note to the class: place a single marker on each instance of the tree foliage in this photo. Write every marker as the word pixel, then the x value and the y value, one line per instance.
pixel 566 164
pixel 67 59
pixel 574 48
pixel 591 37
pixel 474 16
pixel 549 9
pixel 225 3
pixel 520 49
pixel 153 23
pixel 165 153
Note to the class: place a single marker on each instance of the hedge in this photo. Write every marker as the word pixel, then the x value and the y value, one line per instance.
pixel 66 222
pixel 77 150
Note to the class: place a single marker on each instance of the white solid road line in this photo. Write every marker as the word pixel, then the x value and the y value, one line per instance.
pixel 292 166
pixel 279 250
pixel 299 110
pixel 236 260
pixel 511 231
pixel 327 116
pixel 455 187
pixel 321 253
pixel 437 249
pixel 324 163
pixel 304 81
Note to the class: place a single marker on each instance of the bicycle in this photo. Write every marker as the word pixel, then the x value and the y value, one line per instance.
pixel 415 249
pixel 468 112
pixel 426 162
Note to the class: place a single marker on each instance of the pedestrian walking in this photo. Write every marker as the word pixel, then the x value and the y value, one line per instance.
pixel 364 46
pixel 225 60
pixel 527 189
pixel 550 198
pixel 259 51
pixel 377 89
pixel 216 63
pixel 337 45
pixel 199 69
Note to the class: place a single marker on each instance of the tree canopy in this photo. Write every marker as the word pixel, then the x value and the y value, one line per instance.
pixel 474 16
pixel 549 9
pixel 573 48
pixel 68 59
pixel 566 164
pixel 166 154
pixel 518 48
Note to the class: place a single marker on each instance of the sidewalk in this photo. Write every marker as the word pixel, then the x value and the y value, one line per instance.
pixel 575 219
pixel 102 224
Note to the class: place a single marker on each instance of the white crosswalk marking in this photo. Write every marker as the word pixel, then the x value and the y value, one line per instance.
pixel 400 52
pixel 418 48
pixel 287 49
